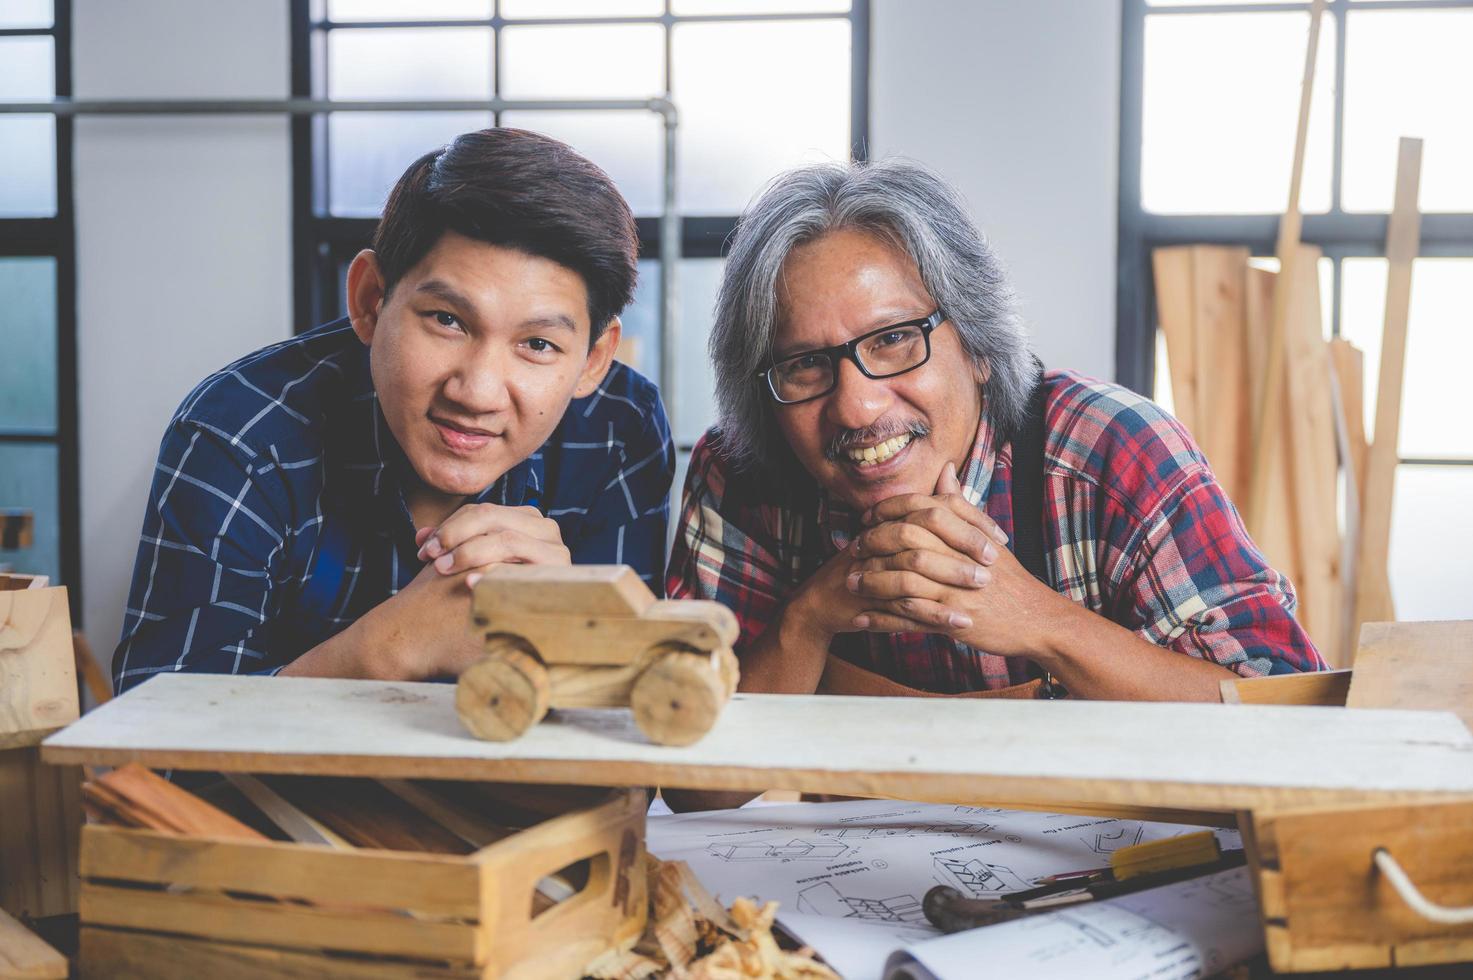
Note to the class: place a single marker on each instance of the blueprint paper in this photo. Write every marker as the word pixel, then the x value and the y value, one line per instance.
pixel 850 876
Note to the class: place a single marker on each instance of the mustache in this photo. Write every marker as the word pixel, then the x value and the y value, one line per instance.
pixel 841 443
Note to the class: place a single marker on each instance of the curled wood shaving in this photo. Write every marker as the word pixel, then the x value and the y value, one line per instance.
pixel 691 936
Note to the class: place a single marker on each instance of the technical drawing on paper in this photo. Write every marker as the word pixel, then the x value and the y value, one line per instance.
pixel 793 850
pixel 979 879
pixel 940 829
pixel 824 899
pixel 1108 842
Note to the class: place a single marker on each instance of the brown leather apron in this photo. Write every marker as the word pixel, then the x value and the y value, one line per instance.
pixel 842 677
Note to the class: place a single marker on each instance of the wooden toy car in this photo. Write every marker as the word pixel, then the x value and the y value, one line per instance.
pixel 594 636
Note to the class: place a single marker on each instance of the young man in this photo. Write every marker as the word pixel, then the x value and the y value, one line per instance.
pixel 857 503
pixel 321 506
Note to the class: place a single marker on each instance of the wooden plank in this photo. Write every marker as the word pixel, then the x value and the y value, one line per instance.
pixel 40 813
pixel 923 748
pixel 1274 534
pixel 216 916
pixel 1333 894
pixel 1265 429
pixel 38 677
pixel 1403 238
pixel 1326 688
pixel 425 883
pixel 1309 426
pixel 115 954
pixel 1349 363
pixel 1415 665
pixel 1175 312
pixel 1219 285
pixel 25 955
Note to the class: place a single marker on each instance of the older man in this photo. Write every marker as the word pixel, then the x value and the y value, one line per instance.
pixel 886 442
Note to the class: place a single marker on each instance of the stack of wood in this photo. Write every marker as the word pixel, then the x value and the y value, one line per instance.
pixel 1277 410
pixel 39 805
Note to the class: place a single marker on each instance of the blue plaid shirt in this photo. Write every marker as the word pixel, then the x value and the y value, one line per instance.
pixel 277 517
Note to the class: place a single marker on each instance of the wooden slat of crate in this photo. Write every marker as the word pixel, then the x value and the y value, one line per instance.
pixel 117 954
pixel 212 915
pixel 40 814
pixel 38 674
pixel 922 749
pixel 442 887
pixel 1332 909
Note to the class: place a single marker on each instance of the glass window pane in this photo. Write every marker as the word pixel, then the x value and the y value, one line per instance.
pixel 28 338
pixel 698 7
pixel 1439 336
pixel 1407 73
pixel 628 145
pixel 1221 101
pixel 27 13
pixel 582 8
pixel 28 166
pixel 399 10
pixel 28 481
pixel 640 348
pixel 616 61
pixel 798 105
pixel 1429 551
pixel 694 406
pixel 27 68
pixel 369 151
pixel 409 63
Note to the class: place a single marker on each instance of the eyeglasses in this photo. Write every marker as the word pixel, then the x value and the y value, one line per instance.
pixel 881 353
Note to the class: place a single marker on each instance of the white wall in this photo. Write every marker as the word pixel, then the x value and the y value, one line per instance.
pixel 1017 102
pixel 183 246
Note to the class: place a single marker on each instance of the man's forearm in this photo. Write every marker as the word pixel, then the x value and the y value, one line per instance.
pixel 357 652
pixel 1097 659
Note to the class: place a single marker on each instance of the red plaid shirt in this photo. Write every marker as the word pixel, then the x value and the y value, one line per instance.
pixel 1136 529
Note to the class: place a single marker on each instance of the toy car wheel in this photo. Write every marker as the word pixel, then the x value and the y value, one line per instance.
pixel 504 695
pixel 730 671
pixel 677 698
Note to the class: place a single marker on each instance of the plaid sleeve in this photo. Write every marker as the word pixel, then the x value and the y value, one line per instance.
pixel 1200 586
pixel 201 595
pixel 721 550
pixel 626 522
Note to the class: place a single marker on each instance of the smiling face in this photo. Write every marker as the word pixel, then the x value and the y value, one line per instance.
pixel 872 438
pixel 475 355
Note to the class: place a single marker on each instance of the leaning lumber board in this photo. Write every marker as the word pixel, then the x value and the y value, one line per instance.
pixel 1219 284
pixel 25 955
pixel 1310 427
pixel 1265 430
pixel 920 749
pixel 1175 312
pixel 38 675
pixel 1415 665
pixel 1403 238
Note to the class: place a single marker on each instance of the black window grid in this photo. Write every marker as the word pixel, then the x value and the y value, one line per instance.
pixel 1339 233
pixel 55 237
pixel 324 243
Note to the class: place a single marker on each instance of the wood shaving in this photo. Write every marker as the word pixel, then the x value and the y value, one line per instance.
pixel 691 936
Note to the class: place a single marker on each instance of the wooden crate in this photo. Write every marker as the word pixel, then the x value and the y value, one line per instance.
pixel 164 906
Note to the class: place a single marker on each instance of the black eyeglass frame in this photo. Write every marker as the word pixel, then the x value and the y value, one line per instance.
pixel 849 350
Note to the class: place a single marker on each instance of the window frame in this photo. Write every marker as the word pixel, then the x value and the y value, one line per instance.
pixel 322 243
pixel 55 238
pixel 1339 233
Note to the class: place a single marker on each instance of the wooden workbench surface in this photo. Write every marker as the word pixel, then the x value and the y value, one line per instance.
pixel 1188 756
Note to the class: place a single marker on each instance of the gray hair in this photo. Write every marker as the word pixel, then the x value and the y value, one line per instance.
pixel 902 202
